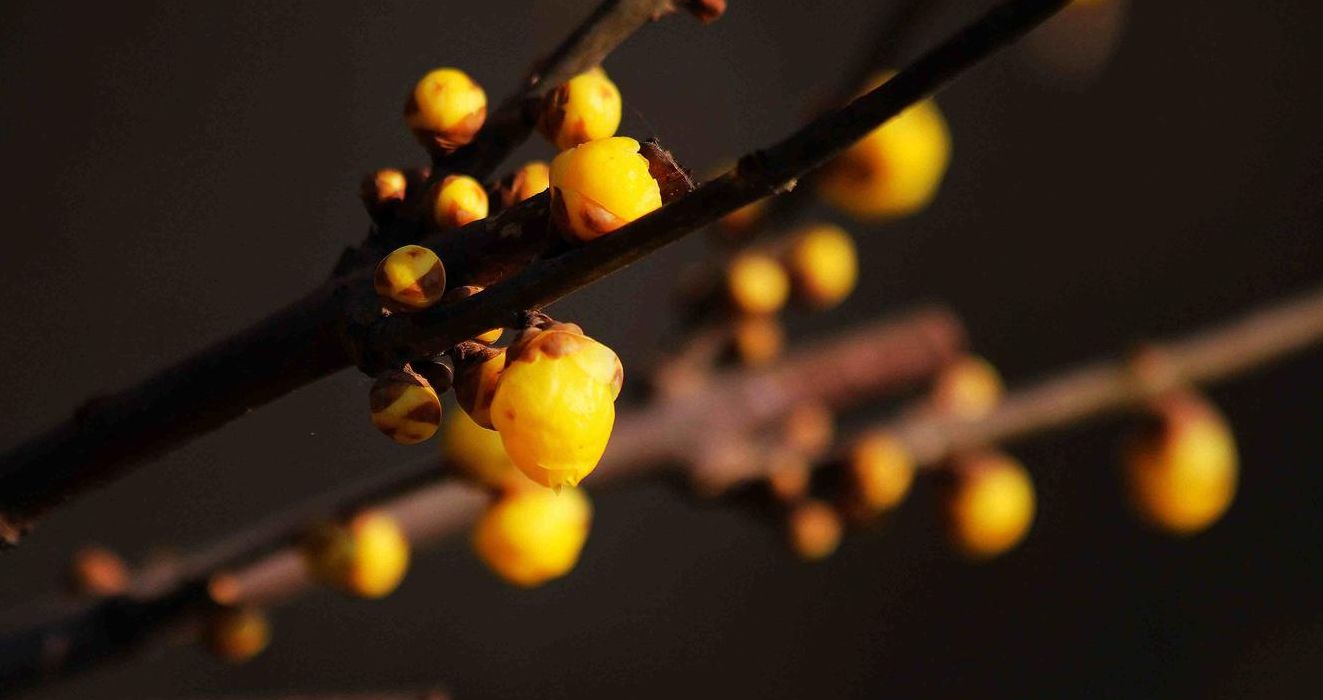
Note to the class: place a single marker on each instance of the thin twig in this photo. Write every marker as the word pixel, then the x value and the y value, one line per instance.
pixel 263 566
pixel 300 345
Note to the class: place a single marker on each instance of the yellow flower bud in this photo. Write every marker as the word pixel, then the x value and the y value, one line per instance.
pixel 531 179
pixel 600 186
pixel 823 265
pixel 585 108
pixel 366 557
pixel 97 572
pixel 1182 472
pixel 881 471
pixel 789 476
pixel 555 404
pixel 757 284
pixel 990 505
pixel 532 536
pixel 758 340
pixel 410 278
pixel 894 171
pixel 475 385
pixel 814 530
pixel 237 635
pixel 458 200
pixel 478 453
pixel 445 110
pixel 968 388
pixel 404 407
pixel 384 191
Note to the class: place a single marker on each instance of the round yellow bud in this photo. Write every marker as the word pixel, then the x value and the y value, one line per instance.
pixel 814 530
pixel 530 180
pixel 365 557
pixel 478 453
pixel 445 110
pixel 555 404
pixel 758 340
pixel 894 171
pixel 968 388
pixel 410 278
pixel 383 191
pixel 458 200
pixel 823 265
pixel 531 536
pixel 990 505
pixel 237 635
pixel 757 284
pixel 881 471
pixel 585 108
pixel 475 385
pixel 1182 473
pixel 600 186
pixel 404 407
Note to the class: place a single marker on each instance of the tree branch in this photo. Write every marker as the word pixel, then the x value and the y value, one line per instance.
pixel 225 381
pixel 263 565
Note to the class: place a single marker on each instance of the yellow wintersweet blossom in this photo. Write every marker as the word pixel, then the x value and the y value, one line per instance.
pixel 531 536
pixel 446 109
pixel 600 186
pixel 990 506
pixel 366 557
pixel 585 108
pixel 823 265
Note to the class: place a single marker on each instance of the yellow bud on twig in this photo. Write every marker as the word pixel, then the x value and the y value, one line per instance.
pixel 410 278
pixel 585 108
pixel 457 201
pixel 529 537
pixel 404 406
pixel 445 110
pixel 600 186
pixel 533 178
pixel 990 504
pixel 881 472
pixel 478 453
pixel 366 557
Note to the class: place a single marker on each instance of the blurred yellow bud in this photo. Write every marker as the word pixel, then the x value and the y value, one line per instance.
pixel 237 635
pixel 1182 471
pixel 478 453
pixel 366 557
pixel 529 537
pixel 97 572
pixel 458 200
pixel 758 340
pixel 757 284
pixel 788 476
pixel 555 404
pixel 384 191
pixel 823 265
pixel 990 505
pixel 445 110
pixel 405 407
pixel 896 170
pixel 410 278
pixel 814 529
pixel 881 472
pixel 600 186
pixel 475 384
pixel 968 388
pixel 531 179
pixel 585 108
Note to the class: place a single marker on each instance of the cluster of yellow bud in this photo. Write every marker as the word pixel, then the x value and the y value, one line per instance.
pixel 894 171
pixel 531 536
pixel 990 504
pixel 366 556
pixel 1182 471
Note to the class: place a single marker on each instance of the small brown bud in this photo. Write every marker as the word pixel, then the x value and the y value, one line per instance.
pixel 98 573
pixel 383 192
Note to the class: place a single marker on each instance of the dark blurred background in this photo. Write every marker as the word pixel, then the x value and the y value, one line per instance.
pixel 172 171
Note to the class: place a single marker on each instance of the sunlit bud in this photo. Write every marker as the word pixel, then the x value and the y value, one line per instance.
pixel 404 406
pixel 823 265
pixel 445 110
pixel 237 635
pixel 366 557
pixel 895 170
pixel 757 284
pixel 757 340
pixel 410 278
pixel 531 536
pixel 881 471
pixel 384 191
pixel 476 376
pixel 968 388
pixel 458 200
pixel 585 108
pixel 478 453
pixel 814 530
pixel 97 572
pixel 600 186
pixel 1182 469
pixel 555 403
pixel 990 505
pixel 531 179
